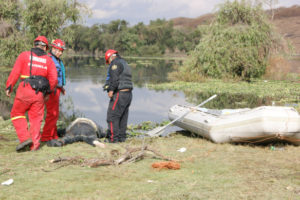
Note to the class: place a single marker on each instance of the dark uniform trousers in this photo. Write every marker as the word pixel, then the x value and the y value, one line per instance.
pixel 117 116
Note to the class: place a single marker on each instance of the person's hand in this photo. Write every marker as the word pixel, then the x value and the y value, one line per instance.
pixel 46 98
pixel 63 91
pixel 110 94
pixel 105 87
pixel 8 92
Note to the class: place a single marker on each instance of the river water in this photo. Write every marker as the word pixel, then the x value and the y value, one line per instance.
pixel 85 96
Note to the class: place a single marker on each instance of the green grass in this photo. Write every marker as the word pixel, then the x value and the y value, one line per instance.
pixel 233 94
pixel 208 171
pixel 260 88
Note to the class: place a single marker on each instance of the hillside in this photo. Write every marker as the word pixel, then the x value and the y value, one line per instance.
pixel 287 21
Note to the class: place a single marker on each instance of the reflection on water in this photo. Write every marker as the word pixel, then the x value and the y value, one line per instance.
pixel 85 78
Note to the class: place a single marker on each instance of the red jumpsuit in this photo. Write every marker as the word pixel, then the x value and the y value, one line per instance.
pixel 50 128
pixel 52 105
pixel 26 98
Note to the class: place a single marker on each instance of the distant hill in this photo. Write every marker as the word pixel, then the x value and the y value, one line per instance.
pixel 184 22
pixel 286 20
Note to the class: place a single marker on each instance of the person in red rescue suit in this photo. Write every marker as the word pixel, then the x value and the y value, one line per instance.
pixel 49 134
pixel 38 78
pixel 119 86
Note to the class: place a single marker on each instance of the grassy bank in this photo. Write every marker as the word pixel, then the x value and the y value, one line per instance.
pixel 259 88
pixel 208 171
pixel 263 91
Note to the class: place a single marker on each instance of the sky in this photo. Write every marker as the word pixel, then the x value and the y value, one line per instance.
pixel 135 11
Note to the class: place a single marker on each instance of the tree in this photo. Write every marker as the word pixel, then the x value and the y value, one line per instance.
pixel 11 40
pixel 32 18
pixel 48 17
pixel 127 43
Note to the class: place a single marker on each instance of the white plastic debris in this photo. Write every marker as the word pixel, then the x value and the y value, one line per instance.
pixel 8 182
pixel 183 149
pixel 150 181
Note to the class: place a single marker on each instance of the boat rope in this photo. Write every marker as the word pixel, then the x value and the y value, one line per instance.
pixel 250 139
pixel 264 138
pixel 291 139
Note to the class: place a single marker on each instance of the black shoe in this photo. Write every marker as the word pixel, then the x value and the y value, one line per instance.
pixel 23 145
pixel 109 141
pixel 54 143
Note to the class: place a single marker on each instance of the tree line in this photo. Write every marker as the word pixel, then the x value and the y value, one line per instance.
pixel 237 43
pixel 22 21
pixel 154 39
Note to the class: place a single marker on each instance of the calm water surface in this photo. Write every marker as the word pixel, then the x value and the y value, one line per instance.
pixel 84 94
pixel 85 97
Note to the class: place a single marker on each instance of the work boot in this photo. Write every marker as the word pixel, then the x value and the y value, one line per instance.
pixel 23 145
pixel 54 143
pixel 122 139
pixel 109 141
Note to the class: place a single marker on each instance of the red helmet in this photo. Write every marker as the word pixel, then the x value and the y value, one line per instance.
pixel 58 44
pixel 41 40
pixel 108 53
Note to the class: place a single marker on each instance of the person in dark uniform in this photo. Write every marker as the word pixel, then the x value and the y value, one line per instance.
pixel 80 130
pixel 119 86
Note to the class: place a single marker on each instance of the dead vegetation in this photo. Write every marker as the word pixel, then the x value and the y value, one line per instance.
pixel 131 155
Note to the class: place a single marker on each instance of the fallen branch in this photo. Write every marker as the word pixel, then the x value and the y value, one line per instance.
pixel 73 160
pixel 96 162
pixel 131 155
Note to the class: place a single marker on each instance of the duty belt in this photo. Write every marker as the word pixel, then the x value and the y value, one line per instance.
pixel 125 90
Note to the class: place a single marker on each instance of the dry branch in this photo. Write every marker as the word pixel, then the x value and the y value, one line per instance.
pixel 131 155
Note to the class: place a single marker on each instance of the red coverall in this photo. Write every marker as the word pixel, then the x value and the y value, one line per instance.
pixel 26 98
pixel 52 106
pixel 50 128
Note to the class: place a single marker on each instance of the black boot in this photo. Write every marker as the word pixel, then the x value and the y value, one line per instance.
pixel 54 143
pixel 108 140
pixel 23 145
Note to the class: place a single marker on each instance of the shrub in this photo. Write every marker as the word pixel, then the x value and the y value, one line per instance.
pixel 237 44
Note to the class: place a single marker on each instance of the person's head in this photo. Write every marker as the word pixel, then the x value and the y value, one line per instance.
pixel 41 42
pixel 58 47
pixel 110 55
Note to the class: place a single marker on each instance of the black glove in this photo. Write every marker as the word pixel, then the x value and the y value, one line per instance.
pixel 105 87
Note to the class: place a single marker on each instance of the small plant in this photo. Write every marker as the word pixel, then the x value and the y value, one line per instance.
pixel 142 128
